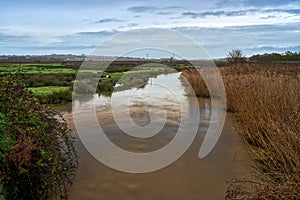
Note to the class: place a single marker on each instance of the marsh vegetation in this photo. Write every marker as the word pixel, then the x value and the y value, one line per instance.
pixel 264 99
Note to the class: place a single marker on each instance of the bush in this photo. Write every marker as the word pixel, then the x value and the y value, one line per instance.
pixel 236 56
pixel 37 156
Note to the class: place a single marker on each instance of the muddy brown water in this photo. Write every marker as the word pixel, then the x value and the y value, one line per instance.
pixel 187 178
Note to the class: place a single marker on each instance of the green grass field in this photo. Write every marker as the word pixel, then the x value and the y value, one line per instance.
pixel 34 68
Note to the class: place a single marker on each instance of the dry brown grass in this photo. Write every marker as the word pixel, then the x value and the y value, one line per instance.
pixel 265 101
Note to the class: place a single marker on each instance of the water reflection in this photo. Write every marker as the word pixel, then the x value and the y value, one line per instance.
pixel 188 177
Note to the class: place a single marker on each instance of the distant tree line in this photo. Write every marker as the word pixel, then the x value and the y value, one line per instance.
pixel 276 57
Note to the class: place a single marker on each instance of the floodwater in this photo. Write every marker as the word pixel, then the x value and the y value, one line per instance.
pixel 187 178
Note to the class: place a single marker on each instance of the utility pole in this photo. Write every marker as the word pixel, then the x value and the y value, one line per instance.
pixel 147 56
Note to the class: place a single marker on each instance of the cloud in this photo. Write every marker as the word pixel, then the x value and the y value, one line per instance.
pixel 228 3
pixel 172 8
pixel 269 48
pixel 267 27
pixel 280 10
pixel 91 33
pixel 66 48
pixel 252 39
pixel 191 14
pixel 38 50
pixel 165 13
pixel 108 20
pixel 255 3
pixel 290 11
pixel 141 9
pixel 132 24
pixel 268 17
pixel 162 11
pixel 13 38
pixel 218 13
pixel 245 12
pixel 269 3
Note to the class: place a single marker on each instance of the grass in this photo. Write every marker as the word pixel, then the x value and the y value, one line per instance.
pixel 47 90
pixel 52 94
pixel 265 101
pixel 34 68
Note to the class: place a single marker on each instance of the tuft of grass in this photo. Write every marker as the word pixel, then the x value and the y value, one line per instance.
pixel 52 94
pixel 265 101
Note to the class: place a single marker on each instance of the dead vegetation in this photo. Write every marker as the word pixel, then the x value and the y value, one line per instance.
pixel 265 101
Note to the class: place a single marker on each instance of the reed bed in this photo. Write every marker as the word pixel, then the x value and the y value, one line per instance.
pixel 264 98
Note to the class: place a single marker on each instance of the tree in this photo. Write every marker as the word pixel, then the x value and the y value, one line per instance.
pixel 37 156
pixel 236 56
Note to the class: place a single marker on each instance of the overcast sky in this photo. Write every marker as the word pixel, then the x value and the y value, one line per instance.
pixel 70 26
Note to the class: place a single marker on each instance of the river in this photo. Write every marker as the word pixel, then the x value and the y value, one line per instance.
pixel 187 178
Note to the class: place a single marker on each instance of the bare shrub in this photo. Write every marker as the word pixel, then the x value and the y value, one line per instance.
pixel 236 56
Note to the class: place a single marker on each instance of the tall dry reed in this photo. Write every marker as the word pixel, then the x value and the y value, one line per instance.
pixel 265 101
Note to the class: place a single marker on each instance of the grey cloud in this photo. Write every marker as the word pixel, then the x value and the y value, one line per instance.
pixel 218 13
pixel 191 14
pixel 267 28
pixel 282 10
pixel 233 13
pixel 253 39
pixel 254 3
pixel 267 3
pixel 268 17
pixel 164 13
pixel 161 11
pixel 141 9
pixel 290 11
pixel 228 3
pixel 266 48
pixel 108 20
pixel 172 8
pixel 78 47
pixel 98 33
pixel 132 24
pixel 10 38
